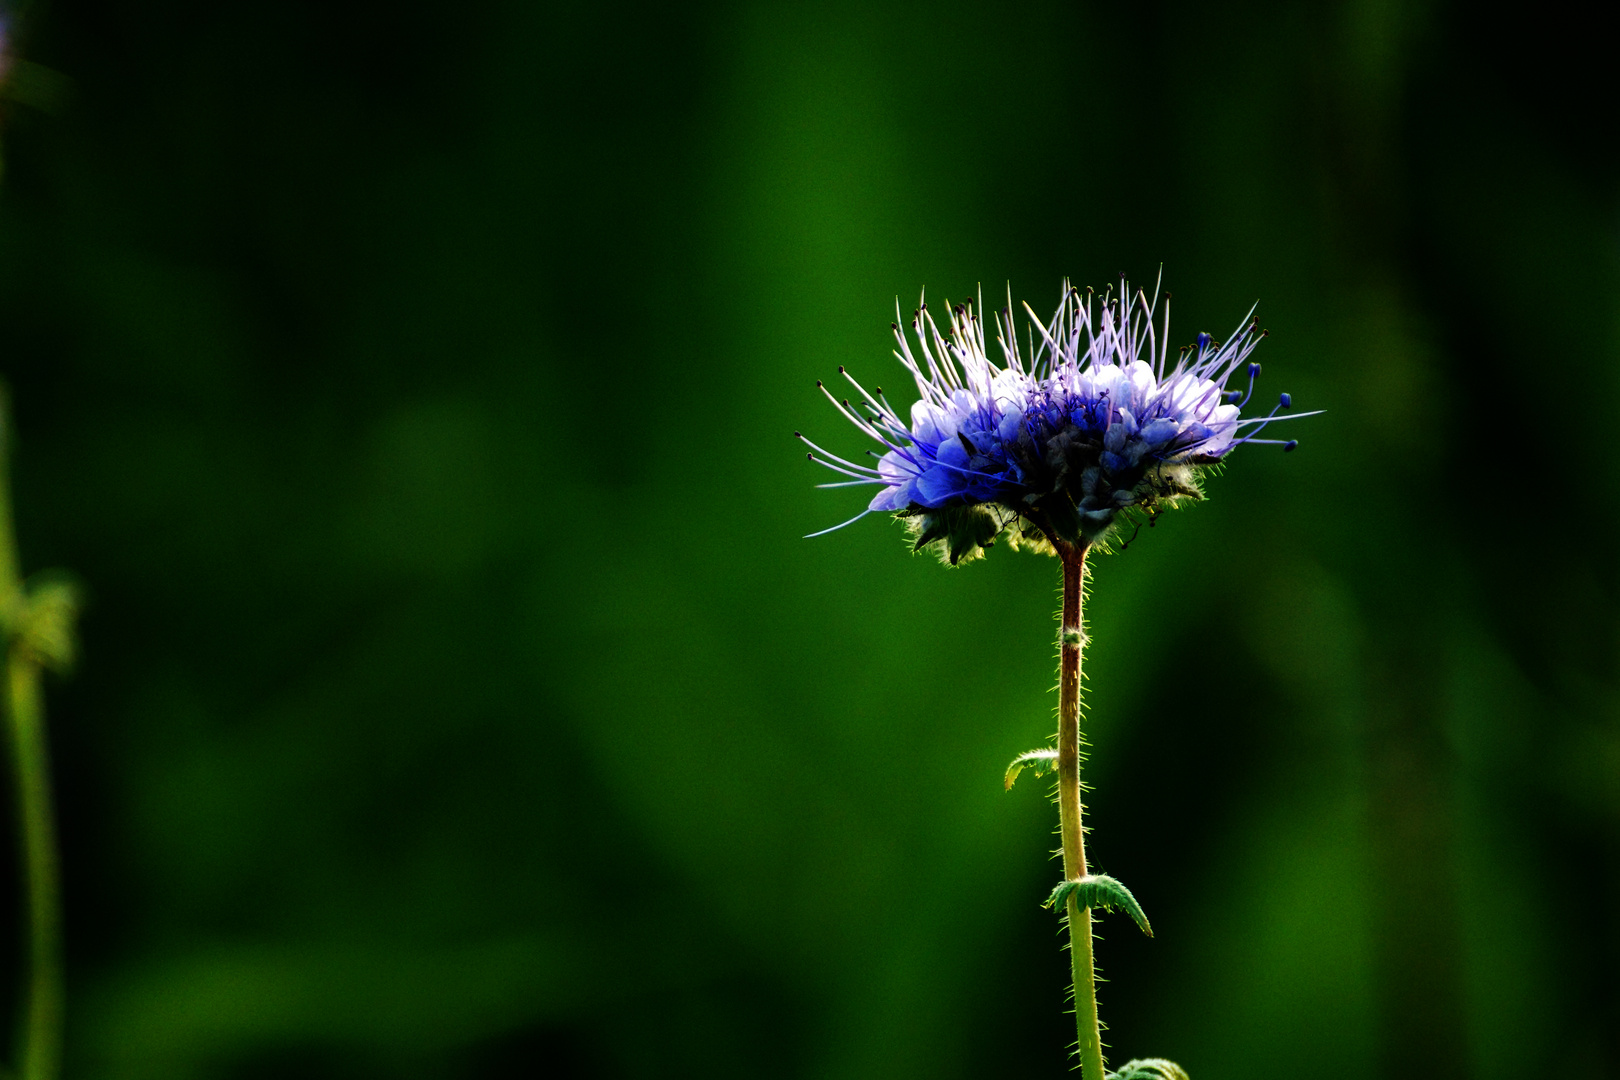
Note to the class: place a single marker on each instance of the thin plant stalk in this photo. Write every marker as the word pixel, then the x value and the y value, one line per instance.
pixel 1073 636
pixel 39 1034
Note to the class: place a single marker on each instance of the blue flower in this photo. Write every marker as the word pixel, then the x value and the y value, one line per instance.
pixel 1054 447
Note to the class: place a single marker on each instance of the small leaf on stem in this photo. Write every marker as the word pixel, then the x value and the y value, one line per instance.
pixel 1149 1069
pixel 1042 761
pixel 1100 891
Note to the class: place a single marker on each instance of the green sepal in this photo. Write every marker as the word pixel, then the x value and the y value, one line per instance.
pixel 1095 523
pixel 1149 1069
pixel 959 533
pixel 1100 891
pixel 1042 761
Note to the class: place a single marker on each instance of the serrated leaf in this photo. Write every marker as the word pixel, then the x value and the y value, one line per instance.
pixel 1149 1069
pixel 1101 891
pixel 1042 761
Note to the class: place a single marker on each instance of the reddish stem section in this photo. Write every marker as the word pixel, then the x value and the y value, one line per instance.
pixel 1073 638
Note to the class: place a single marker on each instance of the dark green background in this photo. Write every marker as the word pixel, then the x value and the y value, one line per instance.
pixel 412 388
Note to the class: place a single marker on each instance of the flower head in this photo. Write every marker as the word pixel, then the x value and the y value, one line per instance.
pixel 1055 446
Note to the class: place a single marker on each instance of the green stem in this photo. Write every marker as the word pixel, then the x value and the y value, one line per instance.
pixel 1069 809
pixel 40 1023
pixel 41 1019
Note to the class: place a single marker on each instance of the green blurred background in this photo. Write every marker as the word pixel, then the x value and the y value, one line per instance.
pixel 412 387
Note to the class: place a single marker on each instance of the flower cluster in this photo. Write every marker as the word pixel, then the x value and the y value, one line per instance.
pixel 1055 446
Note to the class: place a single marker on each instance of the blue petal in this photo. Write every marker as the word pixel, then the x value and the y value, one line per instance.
pixel 1158 432
pixel 938 485
pixel 1011 424
pixel 953 453
pixel 894 498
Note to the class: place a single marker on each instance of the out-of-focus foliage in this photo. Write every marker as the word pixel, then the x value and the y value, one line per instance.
pixel 411 388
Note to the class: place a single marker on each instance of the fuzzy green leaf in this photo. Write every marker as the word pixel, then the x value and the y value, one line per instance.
pixel 1100 891
pixel 1042 761
pixel 1149 1069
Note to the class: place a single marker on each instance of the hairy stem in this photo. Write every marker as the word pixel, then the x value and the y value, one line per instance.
pixel 39 1028
pixel 1069 809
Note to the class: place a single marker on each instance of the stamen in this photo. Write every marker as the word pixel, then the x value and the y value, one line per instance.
pixel 835 528
pixel 860 421
pixel 834 457
pixel 1254 373
pixel 839 469
pixel 1272 417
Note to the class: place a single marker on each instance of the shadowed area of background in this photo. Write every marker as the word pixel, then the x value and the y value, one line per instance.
pixel 412 389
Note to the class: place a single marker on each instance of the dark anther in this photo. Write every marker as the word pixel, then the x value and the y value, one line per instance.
pixel 1287 401
pixel 1265 333
pixel 845 403
pixel 880 391
pixel 1126 545
pixel 797 435
pixel 810 457
pixel 894 326
pixel 1289 445
pixel 840 369
pixel 818 385
pixel 1203 341
pixel 1254 371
